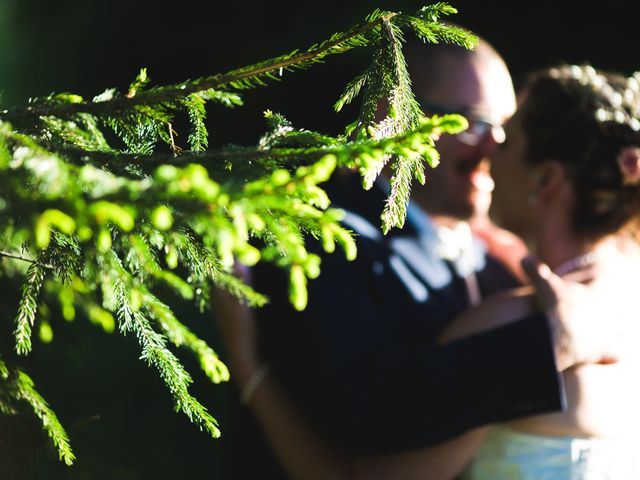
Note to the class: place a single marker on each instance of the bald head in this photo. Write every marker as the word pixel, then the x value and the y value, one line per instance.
pixel 477 84
pixel 454 76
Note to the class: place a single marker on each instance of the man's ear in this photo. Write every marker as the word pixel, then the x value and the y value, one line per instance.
pixel 551 178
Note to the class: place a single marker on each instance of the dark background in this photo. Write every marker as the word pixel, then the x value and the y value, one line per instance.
pixel 88 46
pixel 118 413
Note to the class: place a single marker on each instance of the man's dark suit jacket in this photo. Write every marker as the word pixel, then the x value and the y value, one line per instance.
pixel 361 360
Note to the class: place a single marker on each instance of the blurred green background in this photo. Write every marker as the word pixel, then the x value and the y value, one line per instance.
pixel 117 411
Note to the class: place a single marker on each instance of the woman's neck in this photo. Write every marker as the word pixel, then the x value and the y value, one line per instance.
pixel 556 246
pixel 567 253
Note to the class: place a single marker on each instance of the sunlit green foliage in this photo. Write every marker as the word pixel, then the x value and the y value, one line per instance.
pixel 101 212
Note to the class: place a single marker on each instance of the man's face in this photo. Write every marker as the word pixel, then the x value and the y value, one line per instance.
pixel 481 89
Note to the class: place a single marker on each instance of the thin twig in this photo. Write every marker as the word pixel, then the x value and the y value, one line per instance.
pixel 163 94
pixel 15 256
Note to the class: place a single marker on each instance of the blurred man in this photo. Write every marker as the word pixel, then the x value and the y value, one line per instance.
pixel 362 362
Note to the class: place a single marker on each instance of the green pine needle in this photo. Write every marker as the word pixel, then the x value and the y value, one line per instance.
pixel 28 307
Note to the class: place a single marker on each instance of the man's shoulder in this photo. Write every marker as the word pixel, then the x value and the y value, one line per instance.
pixel 346 191
pixel 363 208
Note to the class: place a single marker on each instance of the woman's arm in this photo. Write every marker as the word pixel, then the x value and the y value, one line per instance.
pixel 302 453
pixel 440 462
pixel 495 311
pixel 574 310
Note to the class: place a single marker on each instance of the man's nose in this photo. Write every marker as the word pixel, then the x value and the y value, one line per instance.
pixel 498 134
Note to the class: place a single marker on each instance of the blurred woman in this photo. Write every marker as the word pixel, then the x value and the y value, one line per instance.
pixel 568 181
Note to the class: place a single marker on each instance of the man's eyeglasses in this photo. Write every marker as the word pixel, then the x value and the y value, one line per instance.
pixel 479 127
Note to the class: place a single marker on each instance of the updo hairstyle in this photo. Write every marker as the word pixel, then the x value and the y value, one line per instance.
pixel 588 120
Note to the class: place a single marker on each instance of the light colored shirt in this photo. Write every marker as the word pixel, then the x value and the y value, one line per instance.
pixel 427 255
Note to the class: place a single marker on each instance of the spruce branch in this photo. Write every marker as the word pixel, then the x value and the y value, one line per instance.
pixel 28 306
pixel 404 110
pixel 396 204
pixel 426 24
pixel 114 222
pixel 128 299
pixel 241 78
pixel 197 113
pixel 180 335
pixel 351 91
pixel 375 92
pixel 206 268
pixel 25 391
pixel 155 353
pixel 18 386
pixel 289 156
pixel 17 256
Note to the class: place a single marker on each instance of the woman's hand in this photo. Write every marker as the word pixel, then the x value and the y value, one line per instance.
pixel 589 312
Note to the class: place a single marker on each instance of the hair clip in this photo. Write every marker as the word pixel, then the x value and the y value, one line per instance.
pixel 629 164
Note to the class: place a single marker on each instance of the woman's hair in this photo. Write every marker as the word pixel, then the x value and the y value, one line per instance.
pixel 587 120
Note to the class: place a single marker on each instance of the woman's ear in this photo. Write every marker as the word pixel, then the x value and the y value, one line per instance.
pixel 551 177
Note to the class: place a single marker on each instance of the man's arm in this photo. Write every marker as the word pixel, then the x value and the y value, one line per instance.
pixel 434 393
pixel 304 454
pixel 394 397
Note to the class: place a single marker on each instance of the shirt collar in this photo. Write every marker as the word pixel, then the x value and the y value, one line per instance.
pixel 455 244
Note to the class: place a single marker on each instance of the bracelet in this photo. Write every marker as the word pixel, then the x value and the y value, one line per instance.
pixel 249 388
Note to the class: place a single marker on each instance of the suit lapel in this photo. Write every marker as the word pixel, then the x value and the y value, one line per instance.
pixel 412 249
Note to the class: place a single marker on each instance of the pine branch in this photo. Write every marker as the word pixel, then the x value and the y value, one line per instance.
pixel 25 391
pixel 113 222
pixel 28 306
pixel 352 90
pixel 18 386
pixel 16 256
pixel 127 299
pixel 242 78
pixel 180 335
pixel 206 267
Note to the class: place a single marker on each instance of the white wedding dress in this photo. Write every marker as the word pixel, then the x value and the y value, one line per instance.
pixel 508 454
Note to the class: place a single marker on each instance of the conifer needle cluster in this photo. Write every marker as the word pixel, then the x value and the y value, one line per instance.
pixel 101 211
